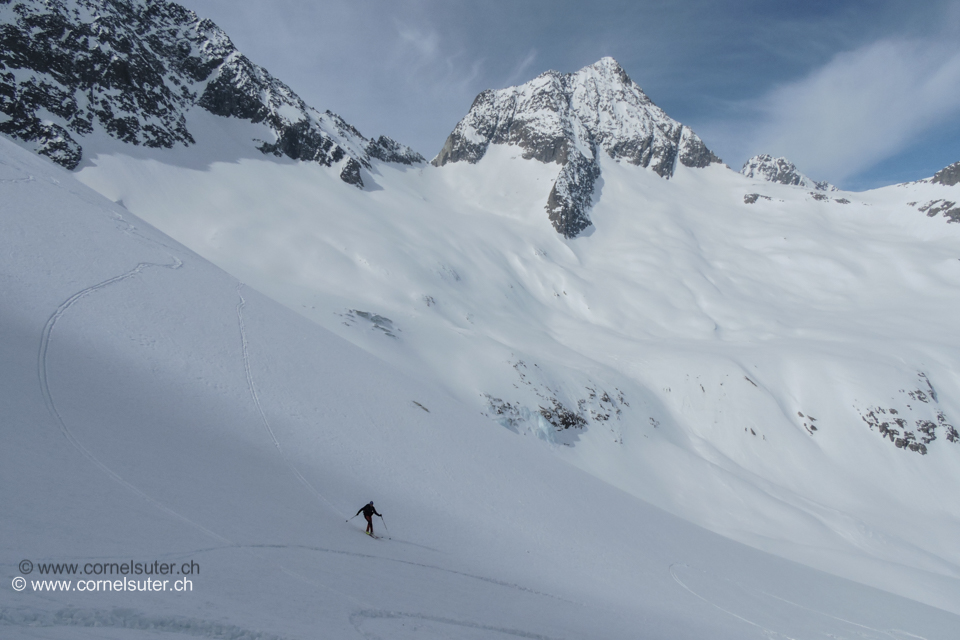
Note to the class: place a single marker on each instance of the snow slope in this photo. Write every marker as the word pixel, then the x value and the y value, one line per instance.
pixel 157 409
pixel 735 361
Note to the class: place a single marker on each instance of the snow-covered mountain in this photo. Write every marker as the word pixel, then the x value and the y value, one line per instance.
pixel 133 70
pixel 156 410
pixel 569 119
pixel 775 364
pixel 781 171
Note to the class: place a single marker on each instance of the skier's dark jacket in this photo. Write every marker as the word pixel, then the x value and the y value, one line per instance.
pixel 368 511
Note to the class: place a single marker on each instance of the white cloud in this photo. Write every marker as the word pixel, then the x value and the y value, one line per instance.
pixel 519 73
pixel 427 44
pixel 862 107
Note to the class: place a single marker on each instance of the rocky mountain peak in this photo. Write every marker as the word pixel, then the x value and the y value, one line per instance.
pixel 569 119
pixel 134 69
pixel 948 176
pixel 781 171
pixel 608 69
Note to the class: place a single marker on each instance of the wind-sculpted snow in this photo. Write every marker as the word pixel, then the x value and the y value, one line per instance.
pixel 781 171
pixel 134 70
pixel 568 119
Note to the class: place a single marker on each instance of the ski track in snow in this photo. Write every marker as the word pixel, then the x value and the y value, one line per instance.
pixel 111 619
pixel 123 618
pixel 894 634
pixel 398 540
pixel 52 406
pixel 370 612
pixel 15 170
pixel 371 556
pixel 126 619
pixel 727 611
pixel 263 417
pixel 129 619
pixel 16 180
pixel 359 617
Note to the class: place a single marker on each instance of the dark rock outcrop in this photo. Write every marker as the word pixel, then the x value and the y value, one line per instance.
pixel 351 173
pixel 389 150
pixel 571 196
pixel 947 208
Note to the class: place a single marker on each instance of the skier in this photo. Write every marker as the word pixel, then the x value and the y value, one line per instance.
pixel 368 513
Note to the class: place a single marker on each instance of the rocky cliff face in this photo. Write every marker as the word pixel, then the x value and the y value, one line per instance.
pixel 134 68
pixel 569 119
pixel 948 176
pixel 782 171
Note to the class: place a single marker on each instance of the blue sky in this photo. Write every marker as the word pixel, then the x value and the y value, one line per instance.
pixel 860 93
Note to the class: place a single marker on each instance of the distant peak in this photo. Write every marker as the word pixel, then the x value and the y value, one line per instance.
pixel 781 171
pixel 607 64
pixel 766 167
pixel 570 119
pixel 948 176
pixel 606 68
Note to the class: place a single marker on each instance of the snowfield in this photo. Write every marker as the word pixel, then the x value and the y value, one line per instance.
pixel 156 409
pixel 601 384
pixel 741 362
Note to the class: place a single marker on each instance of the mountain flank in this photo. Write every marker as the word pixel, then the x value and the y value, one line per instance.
pixel 133 70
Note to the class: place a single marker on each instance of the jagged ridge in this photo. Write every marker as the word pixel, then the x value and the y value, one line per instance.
pixel 134 68
pixel 567 119
pixel 948 176
pixel 781 171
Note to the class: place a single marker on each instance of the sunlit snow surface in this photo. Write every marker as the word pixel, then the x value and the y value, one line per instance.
pixel 155 409
pixel 742 346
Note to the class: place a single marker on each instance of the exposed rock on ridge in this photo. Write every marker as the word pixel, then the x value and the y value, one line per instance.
pixel 568 119
pixel 782 171
pixel 133 69
pixel 948 176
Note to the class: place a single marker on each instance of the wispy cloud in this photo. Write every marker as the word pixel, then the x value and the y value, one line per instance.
pixel 862 107
pixel 425 64
pixel 426 43
pixel 519 74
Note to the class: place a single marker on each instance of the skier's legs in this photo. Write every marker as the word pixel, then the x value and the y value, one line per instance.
pixel 369 523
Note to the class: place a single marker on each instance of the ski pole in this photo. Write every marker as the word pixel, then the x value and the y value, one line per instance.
pixel 349 519
pixel 384 524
